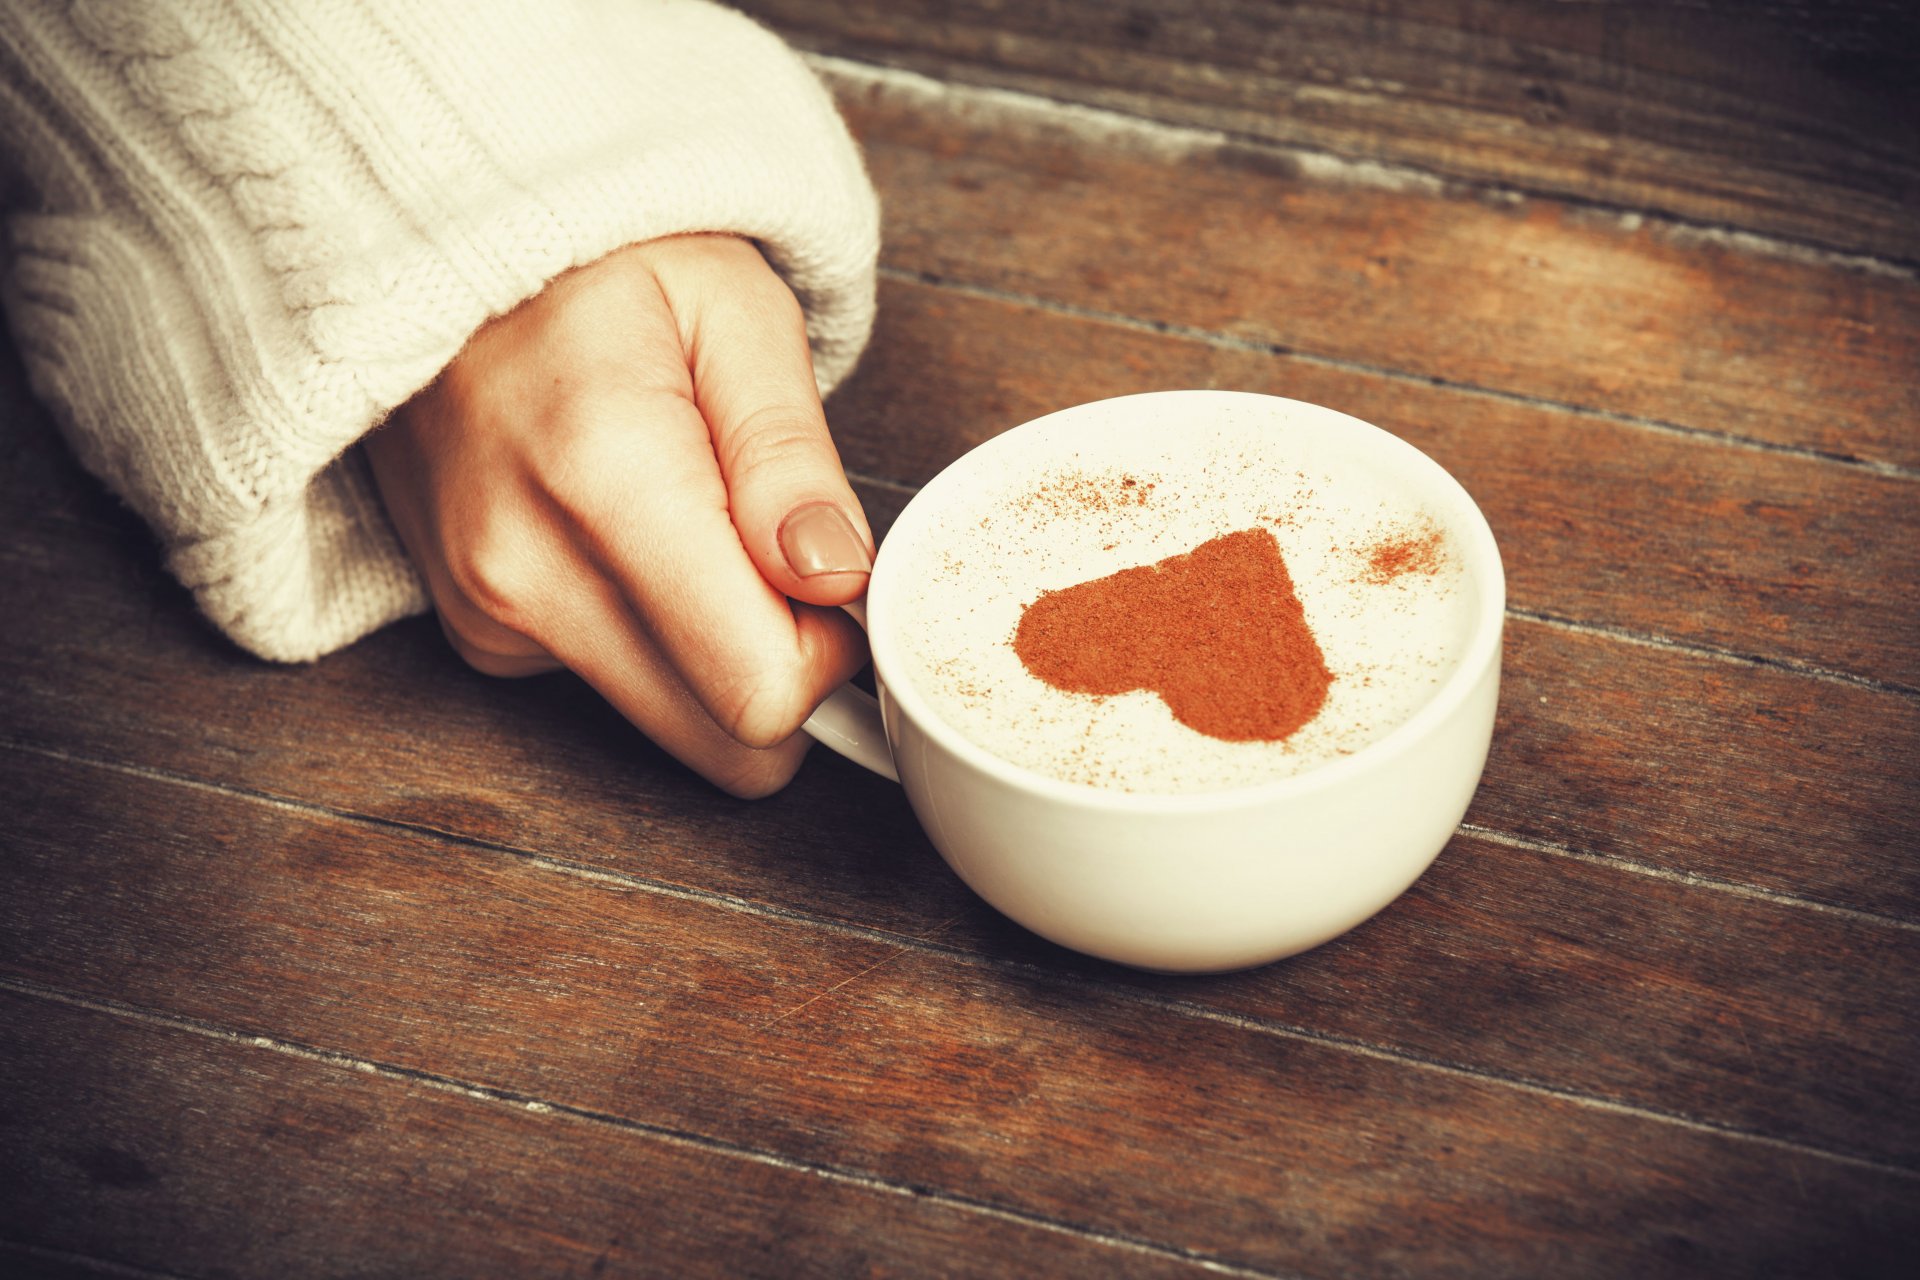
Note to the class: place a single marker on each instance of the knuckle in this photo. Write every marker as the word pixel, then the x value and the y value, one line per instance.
pixel 578 423
pixel 760 711
pixel 602 440
pixel 494 582
pixel 482 658
pixel 493 664
pixel 757 774
pixel 772 443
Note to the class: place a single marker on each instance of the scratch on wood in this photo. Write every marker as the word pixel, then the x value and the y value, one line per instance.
pixel 894 955
pixel 891 956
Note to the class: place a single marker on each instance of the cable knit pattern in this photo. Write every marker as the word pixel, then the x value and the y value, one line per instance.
pixel 249 229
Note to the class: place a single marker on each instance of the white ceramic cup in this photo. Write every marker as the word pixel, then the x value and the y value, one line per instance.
pixel 1201 881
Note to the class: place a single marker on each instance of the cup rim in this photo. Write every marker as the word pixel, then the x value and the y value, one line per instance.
pixel 1482 556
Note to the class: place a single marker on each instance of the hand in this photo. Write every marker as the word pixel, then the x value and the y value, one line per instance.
pixel 630 475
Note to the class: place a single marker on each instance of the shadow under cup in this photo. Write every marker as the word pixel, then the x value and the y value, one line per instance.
pixel 1102 823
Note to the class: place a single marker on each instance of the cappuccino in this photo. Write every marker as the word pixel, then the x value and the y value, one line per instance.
pixel 1371 569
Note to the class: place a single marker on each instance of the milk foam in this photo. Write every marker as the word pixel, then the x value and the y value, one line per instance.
pixel 1389 641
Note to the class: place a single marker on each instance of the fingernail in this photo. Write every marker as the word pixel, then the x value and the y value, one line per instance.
pixel 818 538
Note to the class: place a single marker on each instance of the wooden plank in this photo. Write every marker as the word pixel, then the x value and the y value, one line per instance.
pixel 1543 926
pixel 1796 121
pixel 103 654
pixel 204 1156
pixel 542 767
pixel 106 670
pixel 1742 549
pixel 1625 314
pixel 98 636
pixel 1056 1100
pixel 1505 961
pixel 1707 767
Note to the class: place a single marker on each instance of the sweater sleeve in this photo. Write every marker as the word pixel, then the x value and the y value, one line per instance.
pixel 241 232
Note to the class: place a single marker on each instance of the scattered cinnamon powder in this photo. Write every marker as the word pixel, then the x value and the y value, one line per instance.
pixel 1218 633
pixel 1075 493
pixel 1403 553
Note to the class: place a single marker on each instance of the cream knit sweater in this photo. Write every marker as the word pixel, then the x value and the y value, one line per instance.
pixel 242 231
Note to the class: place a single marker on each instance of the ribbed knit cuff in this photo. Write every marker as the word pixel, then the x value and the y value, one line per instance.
pixel 262 226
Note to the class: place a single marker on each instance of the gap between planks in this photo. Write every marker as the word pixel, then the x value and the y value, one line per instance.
pixel 1225 342
pixel 1690 879
pixel 87 1260
pixel 926 944
pixel 1695 649
pixel 658 1133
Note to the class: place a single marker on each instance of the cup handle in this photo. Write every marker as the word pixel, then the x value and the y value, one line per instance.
pixel 849 720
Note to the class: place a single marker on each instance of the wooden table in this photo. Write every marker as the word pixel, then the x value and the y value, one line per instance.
pixel 378 966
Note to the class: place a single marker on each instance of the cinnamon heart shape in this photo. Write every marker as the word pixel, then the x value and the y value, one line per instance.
pixel 1217 632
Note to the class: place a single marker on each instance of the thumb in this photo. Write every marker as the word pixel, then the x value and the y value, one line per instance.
pixel 753 380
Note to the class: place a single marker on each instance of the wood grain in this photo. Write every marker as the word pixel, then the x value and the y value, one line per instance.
pixel 376 966
pixel 1628 315
pixel 1514 962
pixel 853 1052
pixel 1608 747
pixel 1598 521
pixel 199 1155
pixel 1794 120
pixel 1705 767
pixel 1735 771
